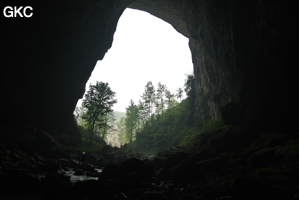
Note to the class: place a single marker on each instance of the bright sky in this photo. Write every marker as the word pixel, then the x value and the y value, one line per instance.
pixel 145 48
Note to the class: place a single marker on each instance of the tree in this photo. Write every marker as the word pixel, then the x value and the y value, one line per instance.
pixel 98 102
pixel 160 102
pixel 169 99
pixel 149 98
pixel 189 85
pixel 108 121
pixel 179 94
pixel 131 120
pixel 121 127
pixel 141 114
pixel 79 113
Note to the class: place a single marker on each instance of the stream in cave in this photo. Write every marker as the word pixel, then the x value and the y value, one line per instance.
pixel 75 178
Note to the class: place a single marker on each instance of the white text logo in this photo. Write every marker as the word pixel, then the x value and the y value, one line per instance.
pixel 15 11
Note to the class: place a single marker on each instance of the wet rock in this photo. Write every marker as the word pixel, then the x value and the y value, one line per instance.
pixel 97 190
pixel 262 158
pixel 15 182
pixel 87 168
pixel 174 159
pixel 292 171
pixel 64 162
pixel 158 162
pixel 44 141
pixel 190 198
pixel 144 171
pixel 130 180
pixel 79 172
pixel 49 166
pixel 250 189
pixel 111 171
pixel 202 155
pixel 280 179
pixel 38 158
pixel 225 198
pixel 16 157
pixel 56 180
pixel 155 195
pixel 225 141
pixel 58 153
pixel 213 164
pixel 29 167
pixel 185 171
pixel 100 163
pixel 73 163
pixel 90 158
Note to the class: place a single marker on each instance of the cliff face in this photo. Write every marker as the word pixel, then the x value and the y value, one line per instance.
pixel 242 52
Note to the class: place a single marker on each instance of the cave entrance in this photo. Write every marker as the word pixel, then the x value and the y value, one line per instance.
pixel 145 48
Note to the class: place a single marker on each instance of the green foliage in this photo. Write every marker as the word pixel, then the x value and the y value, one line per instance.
pixel 95 115
pixel 165 131
pixel 265 140
pixel 149 98
pixel 131 120
pixel 268 142
pixel 86 146
pixel 189 85
pixel 261 152
pixel 98 102
pixel 213 125
pixel 271 170
pixel 289 148
pixel 118 115
pixel 161 119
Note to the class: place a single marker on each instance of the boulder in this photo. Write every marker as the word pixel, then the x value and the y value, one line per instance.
pixel 214 164
pixel 185 171
pixel 225 141
pixel 92 189
pixel 18 181
pixel 43 141
pixel 49 166
pixel 90 158
pixel 79 172
pixel 100 163
pixel 111 171
pixel 130 180
pixel 250 189
pixel 174 159
pixel 57 179
pixel 262 158
pixel 158 162
pixel 232 114
pixel 144 171
pixel 155 195
pixel 202 155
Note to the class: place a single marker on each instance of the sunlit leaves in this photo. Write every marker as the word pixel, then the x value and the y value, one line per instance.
pixel 98 102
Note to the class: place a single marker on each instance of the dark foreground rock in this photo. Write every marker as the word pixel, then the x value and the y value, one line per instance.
pixel 261 170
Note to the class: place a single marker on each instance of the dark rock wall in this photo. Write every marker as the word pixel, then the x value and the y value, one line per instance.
pixel 48 58
pixel 242 51
pixel 265 36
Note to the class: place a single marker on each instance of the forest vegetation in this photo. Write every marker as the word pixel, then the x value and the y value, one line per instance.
pixel 160 120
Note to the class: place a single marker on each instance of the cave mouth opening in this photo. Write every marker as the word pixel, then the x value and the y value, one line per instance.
pixel 145 48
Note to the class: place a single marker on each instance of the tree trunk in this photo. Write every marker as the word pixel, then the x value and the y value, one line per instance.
pixel 91 133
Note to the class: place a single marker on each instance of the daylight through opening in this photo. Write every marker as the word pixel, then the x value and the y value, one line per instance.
pixel 146 52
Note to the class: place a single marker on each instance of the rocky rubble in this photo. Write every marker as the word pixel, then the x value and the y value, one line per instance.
pixel 212 171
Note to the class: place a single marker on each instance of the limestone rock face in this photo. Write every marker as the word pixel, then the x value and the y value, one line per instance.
pixel 48 58
pixel 242 51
